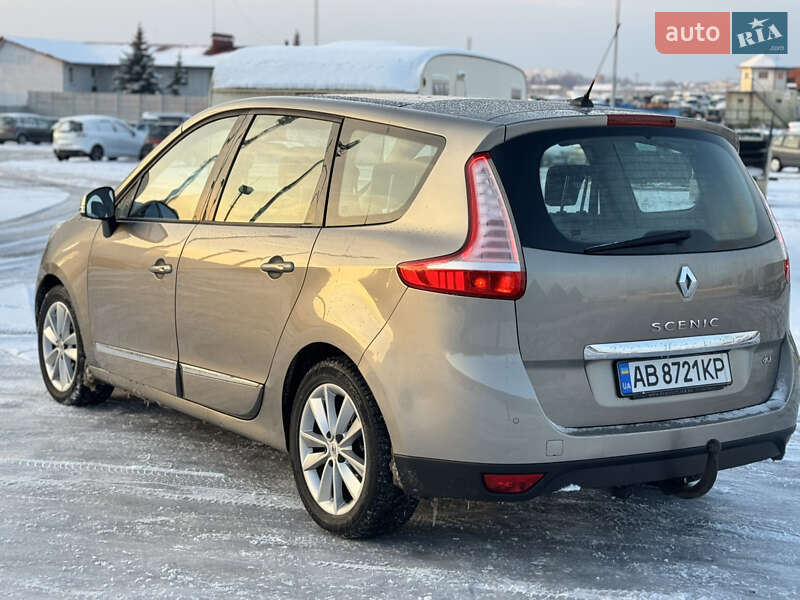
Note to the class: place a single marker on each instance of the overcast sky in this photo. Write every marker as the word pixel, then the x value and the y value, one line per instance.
pixel 560 34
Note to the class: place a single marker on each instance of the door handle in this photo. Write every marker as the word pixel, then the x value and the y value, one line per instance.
pixel 276 267
pixel 160 268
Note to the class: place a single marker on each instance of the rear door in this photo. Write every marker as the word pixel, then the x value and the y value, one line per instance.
pixel 714 285
pixel 132 273
pixel 241 272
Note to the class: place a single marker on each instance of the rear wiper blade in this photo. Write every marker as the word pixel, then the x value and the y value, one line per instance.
pixel 651 239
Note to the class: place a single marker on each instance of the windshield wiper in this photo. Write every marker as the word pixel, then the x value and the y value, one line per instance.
pixel 651 239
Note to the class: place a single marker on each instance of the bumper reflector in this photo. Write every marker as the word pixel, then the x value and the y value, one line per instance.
pixel 508 483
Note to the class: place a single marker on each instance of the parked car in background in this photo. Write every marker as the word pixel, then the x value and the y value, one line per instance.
pixel 418 298
pixel 96 136
pixel 785 151
pixel 157 125
pixel 25 127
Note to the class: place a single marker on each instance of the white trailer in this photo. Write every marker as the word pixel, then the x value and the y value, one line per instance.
pixel 359 67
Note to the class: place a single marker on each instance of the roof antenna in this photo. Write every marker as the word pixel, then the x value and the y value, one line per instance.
pixel 584 101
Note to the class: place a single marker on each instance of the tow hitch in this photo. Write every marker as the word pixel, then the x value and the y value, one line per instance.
pixel 683 489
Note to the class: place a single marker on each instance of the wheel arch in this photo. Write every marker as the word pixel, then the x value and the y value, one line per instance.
pixel 47 283
pixel 307 357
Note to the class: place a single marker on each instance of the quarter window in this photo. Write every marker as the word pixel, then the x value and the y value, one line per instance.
pixel 277 173
pixel 378 172
pixel 173 187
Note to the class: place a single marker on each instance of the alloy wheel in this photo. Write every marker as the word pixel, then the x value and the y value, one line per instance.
pixel 332 450
pixel 60 346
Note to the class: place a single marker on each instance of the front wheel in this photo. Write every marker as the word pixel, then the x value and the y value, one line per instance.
pixel 775 165
pixel 61 356
pixel 341 453
pixel 22 138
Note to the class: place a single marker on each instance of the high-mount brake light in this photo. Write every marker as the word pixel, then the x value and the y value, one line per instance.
pixel 640 120
pixel 488 265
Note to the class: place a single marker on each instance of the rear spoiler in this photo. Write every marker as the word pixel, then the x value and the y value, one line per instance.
pixel 622 118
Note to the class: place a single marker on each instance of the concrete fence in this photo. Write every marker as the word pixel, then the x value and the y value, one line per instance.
pixel 128 107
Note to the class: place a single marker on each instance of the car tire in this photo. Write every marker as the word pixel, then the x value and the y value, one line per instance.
pixel 775 165
pixel 96 153
pixel 22 139
pixel 379 506
pixel 59 335
pixel 60 157
pixel 112 158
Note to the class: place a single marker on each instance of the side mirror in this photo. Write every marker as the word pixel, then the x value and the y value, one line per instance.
pixel 99 204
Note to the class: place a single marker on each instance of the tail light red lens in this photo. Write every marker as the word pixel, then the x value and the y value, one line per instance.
pixel 779 235
pixel 488 265
pixel 511 483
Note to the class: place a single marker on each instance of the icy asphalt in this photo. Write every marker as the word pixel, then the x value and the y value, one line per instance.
pixel 128 500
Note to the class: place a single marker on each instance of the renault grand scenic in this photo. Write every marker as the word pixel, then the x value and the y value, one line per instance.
pixel 420 297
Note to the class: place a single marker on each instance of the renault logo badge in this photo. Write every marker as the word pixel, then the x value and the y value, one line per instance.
pixel 687 282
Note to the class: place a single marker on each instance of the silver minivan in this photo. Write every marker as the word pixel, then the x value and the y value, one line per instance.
pixel 421 297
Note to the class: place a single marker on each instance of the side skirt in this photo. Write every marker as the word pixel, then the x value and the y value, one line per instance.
pixel 248 428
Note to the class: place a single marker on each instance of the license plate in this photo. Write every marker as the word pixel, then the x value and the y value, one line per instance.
pixel 676 375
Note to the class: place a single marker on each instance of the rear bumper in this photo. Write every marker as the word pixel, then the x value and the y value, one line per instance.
pixel 431 478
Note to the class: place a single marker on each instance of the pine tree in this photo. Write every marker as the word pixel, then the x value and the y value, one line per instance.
pixel 179 77
pixel 136 73
pixel 296 41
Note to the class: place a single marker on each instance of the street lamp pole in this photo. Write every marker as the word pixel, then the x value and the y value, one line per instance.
pixel 614 68
pixel 316 22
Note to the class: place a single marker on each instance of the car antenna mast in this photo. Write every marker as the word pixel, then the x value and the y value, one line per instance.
pixel 584 101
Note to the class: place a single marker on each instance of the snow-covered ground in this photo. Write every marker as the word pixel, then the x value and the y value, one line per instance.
pixel 131 500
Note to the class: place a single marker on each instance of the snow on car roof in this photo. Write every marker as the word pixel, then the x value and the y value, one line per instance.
pixel 96 53
pixel 340 66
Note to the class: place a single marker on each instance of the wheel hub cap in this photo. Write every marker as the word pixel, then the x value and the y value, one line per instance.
pixel 331 446
pixel 59 346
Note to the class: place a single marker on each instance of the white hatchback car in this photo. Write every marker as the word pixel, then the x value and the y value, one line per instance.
pixel 96 136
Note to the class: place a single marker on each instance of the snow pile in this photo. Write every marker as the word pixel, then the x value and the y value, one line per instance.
pixel 81 173
pixel 341 66
pixel 17 202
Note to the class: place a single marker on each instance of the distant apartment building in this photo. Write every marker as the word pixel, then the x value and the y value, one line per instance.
pixel 39 64
pixel 765 95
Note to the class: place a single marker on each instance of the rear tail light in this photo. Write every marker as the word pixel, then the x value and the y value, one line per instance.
pixel 511 484
pixel 779 235
pixel 488 265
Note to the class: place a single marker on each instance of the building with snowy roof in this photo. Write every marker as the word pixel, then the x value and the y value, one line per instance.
pixel 358 67
pixel 764 97
pixel 762 73
pixel 47 65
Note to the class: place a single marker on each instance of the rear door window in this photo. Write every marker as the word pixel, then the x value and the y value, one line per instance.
pixel 378 172
pixel 277 174
pixel 570 190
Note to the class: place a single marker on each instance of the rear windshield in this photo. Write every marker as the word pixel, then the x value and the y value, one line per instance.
pixel 6 120
pixel 68 126
pixel 574 190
